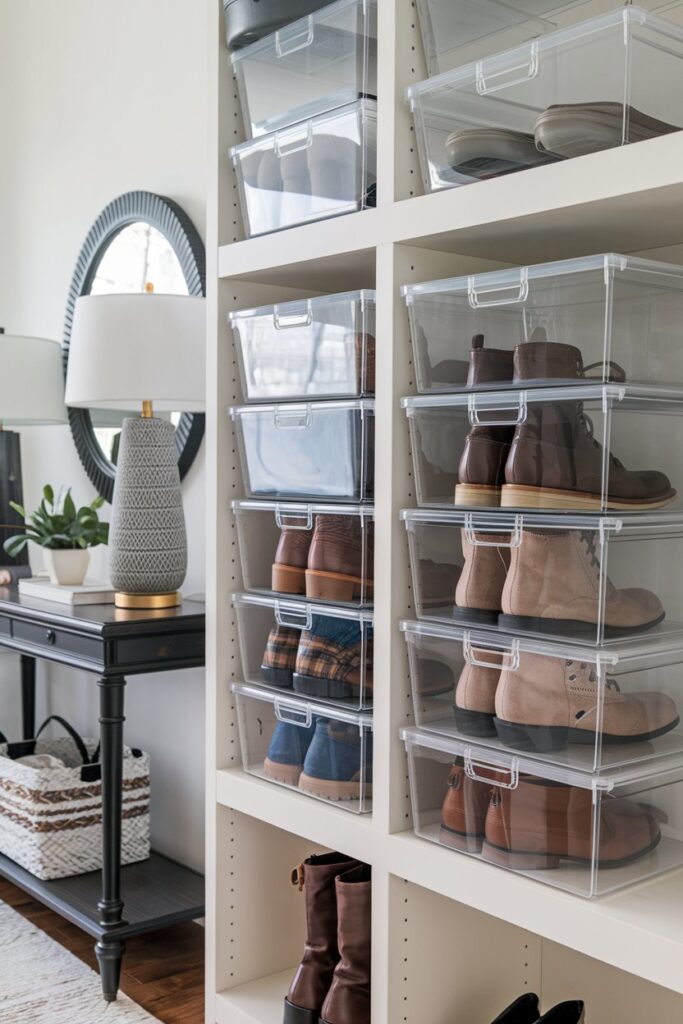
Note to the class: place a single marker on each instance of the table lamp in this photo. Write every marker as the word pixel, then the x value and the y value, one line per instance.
pixel 31 394
pixel 141 352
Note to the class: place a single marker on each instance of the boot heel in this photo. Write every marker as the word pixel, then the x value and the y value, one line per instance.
pixel 287 579
pixel 540 738
pixel 473 723
pixel 331 586
pixel 297 1015
pixel 280 677
pixel 460 842
pixel 519 861
pixel 477 495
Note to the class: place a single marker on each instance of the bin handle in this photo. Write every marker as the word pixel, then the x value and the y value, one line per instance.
pixel 509 665
pixel 288 41
pixel 298 141
pixel 293 619
pixel 520 293
pixel 515 534
pixel 526 71
pixel 285 321
pixel 471 766
pixel 294 716
pixel 291 419
pixel 520 416
pixel 293 520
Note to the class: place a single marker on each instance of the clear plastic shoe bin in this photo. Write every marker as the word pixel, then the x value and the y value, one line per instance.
pixel 591 579
pixel 605 82
pixel 321 752
pixel 319 168
pixel 587 710
pixel 311 348
pixel 559 449
pixel 598 318
pixel 589 835
pixel 311 650
pixel 316 552
pixel 317 450
pixel 323 61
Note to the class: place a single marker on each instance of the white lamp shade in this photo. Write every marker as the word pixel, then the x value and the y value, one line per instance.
pixel 31 381
pixel 127 349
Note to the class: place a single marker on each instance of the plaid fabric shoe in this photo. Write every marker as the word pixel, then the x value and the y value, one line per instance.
pixel 333 661
pixel 338 764
pixel 279 658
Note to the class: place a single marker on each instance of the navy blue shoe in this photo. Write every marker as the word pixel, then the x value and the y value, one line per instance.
pixel 338 765
pixel 287 752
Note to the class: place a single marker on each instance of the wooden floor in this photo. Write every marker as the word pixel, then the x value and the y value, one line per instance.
pixel 164 972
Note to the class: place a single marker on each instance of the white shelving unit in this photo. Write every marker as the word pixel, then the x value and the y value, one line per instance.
pixel 453 939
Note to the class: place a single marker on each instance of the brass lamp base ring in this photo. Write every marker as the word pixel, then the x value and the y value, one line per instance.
pixel 142 602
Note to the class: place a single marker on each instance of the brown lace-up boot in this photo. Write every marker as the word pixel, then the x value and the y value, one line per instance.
pixel 463 813
pixel 348 1001
pixel 316 877
pixel 291 559
pixel 340 566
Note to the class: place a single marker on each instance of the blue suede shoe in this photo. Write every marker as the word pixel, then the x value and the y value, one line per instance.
pixel 338 765
pixel 287 751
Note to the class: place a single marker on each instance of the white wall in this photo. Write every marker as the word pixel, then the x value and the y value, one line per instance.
pixel 97 99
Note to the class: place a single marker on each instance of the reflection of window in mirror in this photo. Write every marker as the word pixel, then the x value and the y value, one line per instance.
pixel 137 257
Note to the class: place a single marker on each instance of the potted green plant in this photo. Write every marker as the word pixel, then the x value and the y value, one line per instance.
pixel 66 534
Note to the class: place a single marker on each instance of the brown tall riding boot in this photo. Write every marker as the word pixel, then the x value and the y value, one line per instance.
pixel 348 1001
pixel 481 472
pixel 316 876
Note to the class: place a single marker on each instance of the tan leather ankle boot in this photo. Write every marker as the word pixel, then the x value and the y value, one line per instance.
pixel 480 586
pixel 291 559
pixel 475 696
pixel 316 877
pixel 339 567
pixel 463 813
pixel 549 702
pixel 348 1000
pixel 554 586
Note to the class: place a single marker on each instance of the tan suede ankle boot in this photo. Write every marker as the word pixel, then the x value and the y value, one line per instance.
pixel 475 696
pixel 479 589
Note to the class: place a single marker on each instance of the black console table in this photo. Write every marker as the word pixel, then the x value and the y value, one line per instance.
pixel 110 643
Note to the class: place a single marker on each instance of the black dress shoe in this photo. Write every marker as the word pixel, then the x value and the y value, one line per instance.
pixel 571 1012
pixel 524 1010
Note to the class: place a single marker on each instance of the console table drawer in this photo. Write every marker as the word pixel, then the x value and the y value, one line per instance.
pixel 49 639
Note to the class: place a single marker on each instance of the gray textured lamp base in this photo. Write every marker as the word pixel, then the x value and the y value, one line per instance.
pixel 148 542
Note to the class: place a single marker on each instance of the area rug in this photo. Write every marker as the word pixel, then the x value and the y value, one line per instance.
pixel 42 983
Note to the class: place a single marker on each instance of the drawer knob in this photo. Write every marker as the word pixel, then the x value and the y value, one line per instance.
pixel 51 636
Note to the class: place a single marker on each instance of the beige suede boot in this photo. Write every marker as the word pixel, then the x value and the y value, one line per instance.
pixel 475 696
pixel 553 586
pixel 549 702
pixel 479 589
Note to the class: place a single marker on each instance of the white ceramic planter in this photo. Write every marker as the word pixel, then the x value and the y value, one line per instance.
pixel 67 568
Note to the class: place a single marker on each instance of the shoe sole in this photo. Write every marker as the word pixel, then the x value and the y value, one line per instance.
pixel 571 627
pixel 330 789
pixel 461 841
pixel 520 496
pixel 332 689
pixel 287 774
pixel 575 129
pixel 475 615
pixel 522 860
pixel 474 723
pixel 543 739
pixel 336 586
pixel 477 495
pixel 280 677
pixel 288 579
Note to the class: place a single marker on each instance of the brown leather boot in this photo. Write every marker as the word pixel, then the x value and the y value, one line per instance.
pixel 553 586
pixel 540 361
pixel 316 877
pixel 539 823
pixel 549 702
pixel 279 657
pixel 555 462
pixel 463 813
pixel 475 696
pixel 291 559
pixel 365 371
pixel 339 568
pixel 482 464
pixel 479 589
pixel 348 1000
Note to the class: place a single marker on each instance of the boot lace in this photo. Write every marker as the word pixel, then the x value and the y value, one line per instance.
pixel 583 668
pixel 587 423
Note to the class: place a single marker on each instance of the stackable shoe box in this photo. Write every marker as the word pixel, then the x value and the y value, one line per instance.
pixel 308 95
pixel 601 83
pixel 306 544
pixel 547 663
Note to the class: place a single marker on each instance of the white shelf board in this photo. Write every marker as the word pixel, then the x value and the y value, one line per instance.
pixel 257 1002
pixel 316 820
pixel 625 199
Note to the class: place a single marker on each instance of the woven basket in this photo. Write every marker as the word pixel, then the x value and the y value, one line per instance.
pixel 51 819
